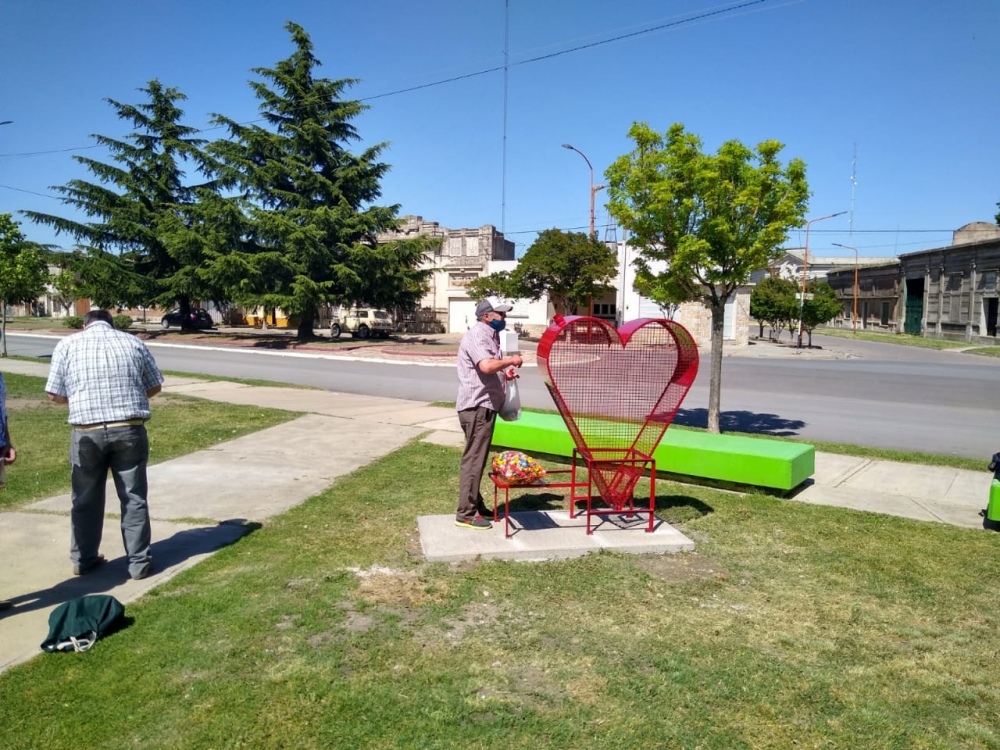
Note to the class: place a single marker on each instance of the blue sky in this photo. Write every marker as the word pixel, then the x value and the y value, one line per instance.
pixel 910 87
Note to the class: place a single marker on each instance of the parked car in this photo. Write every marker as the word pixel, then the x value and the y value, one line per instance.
pixel 198 319
pixel 362 322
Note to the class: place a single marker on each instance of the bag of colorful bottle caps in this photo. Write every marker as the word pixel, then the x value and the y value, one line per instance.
pixel 517 468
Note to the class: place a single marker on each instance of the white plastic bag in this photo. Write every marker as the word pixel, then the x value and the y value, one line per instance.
pixel 511 410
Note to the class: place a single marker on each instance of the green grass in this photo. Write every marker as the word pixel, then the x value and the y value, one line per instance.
pixel 903 339
pixel 179 425
pixel 241 381
pixel 791 626
pixel 986 351
pixel 35 324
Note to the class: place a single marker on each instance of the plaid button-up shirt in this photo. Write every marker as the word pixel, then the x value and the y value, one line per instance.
pixel 474 388
pixel 105 375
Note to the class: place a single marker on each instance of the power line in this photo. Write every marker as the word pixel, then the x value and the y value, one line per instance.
pixel 727 10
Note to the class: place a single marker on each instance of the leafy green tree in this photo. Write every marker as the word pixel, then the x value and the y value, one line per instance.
pixel 67 288
pixel 773 301
pixel 498 284
pixel 389 274
pixel 702 223
pixel 997 217
pixel 144 240
pixel 308 221
pixel 22 271
pixel 571 267
pixel 821 308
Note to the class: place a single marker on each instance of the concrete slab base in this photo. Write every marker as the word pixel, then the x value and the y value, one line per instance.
pixel 545 535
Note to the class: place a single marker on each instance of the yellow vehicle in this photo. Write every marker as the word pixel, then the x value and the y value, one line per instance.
pixel 362 322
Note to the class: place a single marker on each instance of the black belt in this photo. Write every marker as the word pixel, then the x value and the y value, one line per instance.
pixel 104 425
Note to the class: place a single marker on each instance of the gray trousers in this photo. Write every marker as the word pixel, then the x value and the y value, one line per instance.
pixel 477 424
pixel 125 452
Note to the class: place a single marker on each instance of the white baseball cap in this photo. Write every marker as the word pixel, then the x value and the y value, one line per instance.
pixel 491 304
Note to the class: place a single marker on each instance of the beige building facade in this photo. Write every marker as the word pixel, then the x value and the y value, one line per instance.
pixel 463 255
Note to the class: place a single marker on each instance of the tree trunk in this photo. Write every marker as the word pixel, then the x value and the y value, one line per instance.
pixel 715 385
pixel 184 305
pixel 305 329
pixel 3 328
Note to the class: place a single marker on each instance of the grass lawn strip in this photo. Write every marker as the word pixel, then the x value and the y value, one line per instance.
pixel 792 626
pixel 179 425
pixel 902 339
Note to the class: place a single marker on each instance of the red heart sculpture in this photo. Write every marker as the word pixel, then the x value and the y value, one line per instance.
pixel 617 390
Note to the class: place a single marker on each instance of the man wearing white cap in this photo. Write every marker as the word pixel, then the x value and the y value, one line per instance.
pixel 482 372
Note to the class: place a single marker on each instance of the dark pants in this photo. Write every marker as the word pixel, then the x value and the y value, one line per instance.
pixel 125 451
pixel 477 424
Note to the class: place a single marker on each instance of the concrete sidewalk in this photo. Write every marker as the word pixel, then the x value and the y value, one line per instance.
pixel 209 499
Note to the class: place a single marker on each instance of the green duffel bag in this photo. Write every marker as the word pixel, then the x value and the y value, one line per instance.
pixel 77 624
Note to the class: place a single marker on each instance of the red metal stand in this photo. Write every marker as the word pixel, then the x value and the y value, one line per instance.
pixel 629 469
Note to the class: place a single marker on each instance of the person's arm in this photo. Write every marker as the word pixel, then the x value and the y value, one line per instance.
pixel 493 366
pixel 151 376
pixel 8 453
pixel 56 383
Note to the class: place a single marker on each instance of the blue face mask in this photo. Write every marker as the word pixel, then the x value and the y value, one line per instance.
pixel 498 325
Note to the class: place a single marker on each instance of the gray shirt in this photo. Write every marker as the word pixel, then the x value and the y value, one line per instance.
pixel 474 388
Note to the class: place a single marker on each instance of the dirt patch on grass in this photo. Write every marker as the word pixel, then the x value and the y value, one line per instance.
pixel 682 568
pixel 399 588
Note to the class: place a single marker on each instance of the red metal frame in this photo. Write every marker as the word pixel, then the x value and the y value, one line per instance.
pixel 639 463
pixel 617 390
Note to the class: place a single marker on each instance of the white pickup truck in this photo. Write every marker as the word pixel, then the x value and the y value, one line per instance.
pixel 362 322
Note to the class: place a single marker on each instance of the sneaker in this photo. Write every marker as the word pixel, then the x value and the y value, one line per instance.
pixel 479 523
pixel 81 569
pixel 486 513
pixel 144 573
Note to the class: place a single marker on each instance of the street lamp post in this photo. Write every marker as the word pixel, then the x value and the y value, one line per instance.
pixel 854 314
pixel 805 267
pixel 593 190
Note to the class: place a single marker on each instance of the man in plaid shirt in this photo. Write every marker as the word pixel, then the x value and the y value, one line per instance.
pixel 107 377
pixel 481 395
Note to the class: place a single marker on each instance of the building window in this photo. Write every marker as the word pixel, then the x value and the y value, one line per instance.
pixel 605 310
pixel 884 317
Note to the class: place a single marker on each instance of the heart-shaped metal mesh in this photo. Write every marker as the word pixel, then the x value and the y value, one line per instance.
pixel 617 390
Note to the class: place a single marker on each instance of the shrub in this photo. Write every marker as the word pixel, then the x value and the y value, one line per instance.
pixel 122 322
pixel 73 321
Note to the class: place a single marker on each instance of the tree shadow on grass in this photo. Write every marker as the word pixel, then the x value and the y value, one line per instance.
pixel 742 421
pixel 677 508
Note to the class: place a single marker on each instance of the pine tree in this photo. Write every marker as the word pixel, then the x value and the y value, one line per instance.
pixel 144 242
pixel 310 221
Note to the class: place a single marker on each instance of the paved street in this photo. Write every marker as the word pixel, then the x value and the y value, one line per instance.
pixel 854 392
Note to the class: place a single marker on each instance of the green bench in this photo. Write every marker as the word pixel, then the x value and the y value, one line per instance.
pixel 731 459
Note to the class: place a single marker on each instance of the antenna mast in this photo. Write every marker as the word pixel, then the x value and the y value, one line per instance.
pixel 503 169
pixel 854 184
